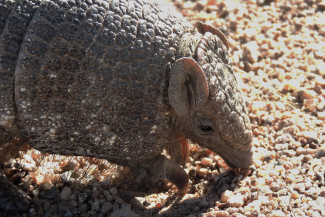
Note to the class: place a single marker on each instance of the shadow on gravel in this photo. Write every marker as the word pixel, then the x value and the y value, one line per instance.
pixel 173 205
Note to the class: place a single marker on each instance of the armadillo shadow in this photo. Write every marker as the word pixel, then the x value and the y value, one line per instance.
pixel 204 193
pixel 174 205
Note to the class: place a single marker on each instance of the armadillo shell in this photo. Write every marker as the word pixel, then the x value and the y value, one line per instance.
pixel 90 78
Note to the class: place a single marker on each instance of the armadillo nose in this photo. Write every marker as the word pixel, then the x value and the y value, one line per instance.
pixel 176 175
pixel 245 159
pixel 249 161
pixel 238 159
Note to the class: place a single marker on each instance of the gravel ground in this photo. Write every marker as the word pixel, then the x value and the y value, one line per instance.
pixel 277 49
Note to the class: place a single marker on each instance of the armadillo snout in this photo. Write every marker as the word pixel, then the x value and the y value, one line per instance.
pixel 238 159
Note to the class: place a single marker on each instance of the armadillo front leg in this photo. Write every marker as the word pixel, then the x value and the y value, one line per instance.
pixel 163 168
pixel 176 175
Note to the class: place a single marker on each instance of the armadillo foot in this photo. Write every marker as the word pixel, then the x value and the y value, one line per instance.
pixel 163 168
pixel 12 199
pixel 143 176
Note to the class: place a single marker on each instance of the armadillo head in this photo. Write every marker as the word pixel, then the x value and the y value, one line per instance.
pixel 207 106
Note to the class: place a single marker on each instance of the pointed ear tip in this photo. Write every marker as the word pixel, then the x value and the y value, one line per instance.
pixel 203 28
pixel 187 61
pixel 190 61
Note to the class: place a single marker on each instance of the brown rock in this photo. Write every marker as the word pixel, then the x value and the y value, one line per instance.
pixel 321 115
pixel 202 172
pixel 251 52
pixel 225 196
pixel 321 6
pixel 310 104
pixel 205 161
pixel 291 130
pixel 320 81
pixel 308 94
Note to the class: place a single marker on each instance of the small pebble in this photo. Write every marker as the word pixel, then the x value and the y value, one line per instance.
pixel 225 196
pixel 54 208
pixel 136 204
pixel 308 94
pixel 280 106
pixel 73 197
pixel 28 158
pixel 258 106
pixel 106 207
pixel 292 130
pixel 304 151
pixel 251 52
pixel 309 134
pixel 52 193
pixel 291 85
pixel 285 138
pixel 46 206
pixel 295 195
pixel 321 115
pixel 95 206
pixel 258 164
pixel 236 201
pixel 281 147
pixel 300 187
pixel 32 212
pixel 222 170
pixel 283 192
pixel 65 193
pixel 277 213
pixel 202 172
pixel 38 202
pixel 310 104
pixel 113 191
pixel 27 182
pixel 206 161
pixel 36 192
pixel 41 211
pixel 82 197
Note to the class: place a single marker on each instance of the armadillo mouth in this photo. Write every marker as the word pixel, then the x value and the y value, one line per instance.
pixel 238 159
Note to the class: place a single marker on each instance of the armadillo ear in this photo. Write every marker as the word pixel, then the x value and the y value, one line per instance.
pixel 188 87
pixel 203 28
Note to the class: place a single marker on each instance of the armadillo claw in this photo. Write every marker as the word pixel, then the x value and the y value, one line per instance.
pixel 177 175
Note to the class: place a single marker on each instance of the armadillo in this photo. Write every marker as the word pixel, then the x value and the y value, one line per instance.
pixel 120 80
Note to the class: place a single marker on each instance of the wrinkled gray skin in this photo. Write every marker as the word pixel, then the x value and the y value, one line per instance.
pixel 117 80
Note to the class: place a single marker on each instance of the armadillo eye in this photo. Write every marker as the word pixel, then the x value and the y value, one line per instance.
pixel 206 128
